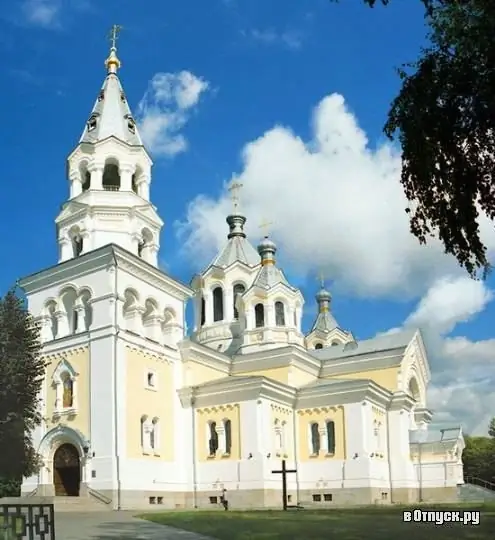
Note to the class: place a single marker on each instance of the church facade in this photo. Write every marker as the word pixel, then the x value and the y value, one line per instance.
pixel 136 412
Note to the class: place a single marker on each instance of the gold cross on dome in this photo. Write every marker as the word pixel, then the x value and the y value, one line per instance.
pixel 234 189
pixel 265 227
pixel 114 35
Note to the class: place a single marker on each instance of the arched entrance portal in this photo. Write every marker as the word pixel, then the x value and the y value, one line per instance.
pixel 66 471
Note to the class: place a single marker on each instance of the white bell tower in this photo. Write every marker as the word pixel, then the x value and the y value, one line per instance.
pixel 109 173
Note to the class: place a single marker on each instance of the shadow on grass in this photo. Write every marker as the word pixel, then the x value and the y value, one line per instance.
pixel 345 524
pixel 130 530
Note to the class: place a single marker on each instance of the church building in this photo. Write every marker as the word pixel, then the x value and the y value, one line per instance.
pixel 139 412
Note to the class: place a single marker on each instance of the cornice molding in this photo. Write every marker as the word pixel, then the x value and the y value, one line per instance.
pixel 291 355
pixel 401 402
pixel 133 341
pixel 65 271
pixel 191 351
pixel 149 354
pixel 130 263
pixel 61 354
pixel 365 362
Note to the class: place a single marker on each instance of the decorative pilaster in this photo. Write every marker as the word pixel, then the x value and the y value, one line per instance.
pixel 75 183
pixel 208 307
pixel 62 324
pixel 126 171
pixel 153 326
pixel 269 315
pixel 134 319
pixel 96 171
pixel 80 311
pixel 229 304
pixel 65 249
pixel 222 442
pixel 46 329
pixel 143 187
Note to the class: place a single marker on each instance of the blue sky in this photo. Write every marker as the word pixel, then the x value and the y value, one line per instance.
pixel 288 96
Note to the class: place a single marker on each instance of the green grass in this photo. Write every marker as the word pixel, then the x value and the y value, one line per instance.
pixel 376 523
pixel 7 534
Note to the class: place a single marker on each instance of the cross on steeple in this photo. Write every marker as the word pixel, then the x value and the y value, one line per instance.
pixel 321 279
pixel 114 35
pixel 234 189
pixel 265 226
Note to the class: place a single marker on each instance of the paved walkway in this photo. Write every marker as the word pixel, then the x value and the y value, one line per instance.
pixel 113 525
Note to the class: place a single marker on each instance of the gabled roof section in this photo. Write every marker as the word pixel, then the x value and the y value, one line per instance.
pixel 237 249
pixel 269 276
pixel 397 341
pixel 325 322
pixel 111 116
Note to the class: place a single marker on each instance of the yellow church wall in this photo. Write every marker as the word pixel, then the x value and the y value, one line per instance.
pixel 299 377
pixel 388 378
pixel 78 359
pixel 199 374
pixel 156 402
pixel 277 374
pixel 321 415
pixel 204 417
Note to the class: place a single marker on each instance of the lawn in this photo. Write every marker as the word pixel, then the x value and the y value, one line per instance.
pixel 345 524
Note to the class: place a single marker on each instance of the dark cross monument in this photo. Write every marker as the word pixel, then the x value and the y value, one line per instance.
pixel 284 471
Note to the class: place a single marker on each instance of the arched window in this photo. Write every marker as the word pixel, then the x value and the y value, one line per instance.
pixel 319 346
pixel 227 425
pixel 68 391
pixel 315 439
pixel 217 304
pixel 331 437
pixel 86 179
pixel 259 315
pixel 213 440
pixel 203 311
pixel 145 245
pixel 134 184
pixel 154 434
pixel 335 343
pixel 279 314
pixel 144 433
pixel 69 298
pixel 111 177
pixel 238 291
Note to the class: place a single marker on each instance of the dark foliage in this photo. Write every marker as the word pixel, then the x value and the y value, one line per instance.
pixel 21 375
pixel 444 118
pixel 479 455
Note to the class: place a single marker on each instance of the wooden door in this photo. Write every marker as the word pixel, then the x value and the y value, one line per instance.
pixel 58 483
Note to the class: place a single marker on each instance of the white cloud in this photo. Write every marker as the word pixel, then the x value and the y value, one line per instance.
pixel 44 13
pixel 165 109
pixel 358 232
pixel 338 206
pixel 463 370
pixel 448 302
pixel 288 38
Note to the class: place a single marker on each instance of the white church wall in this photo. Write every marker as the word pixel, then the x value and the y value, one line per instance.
pixel 151 475
pixel 401 467
pixel 170 310
pixel 104 402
